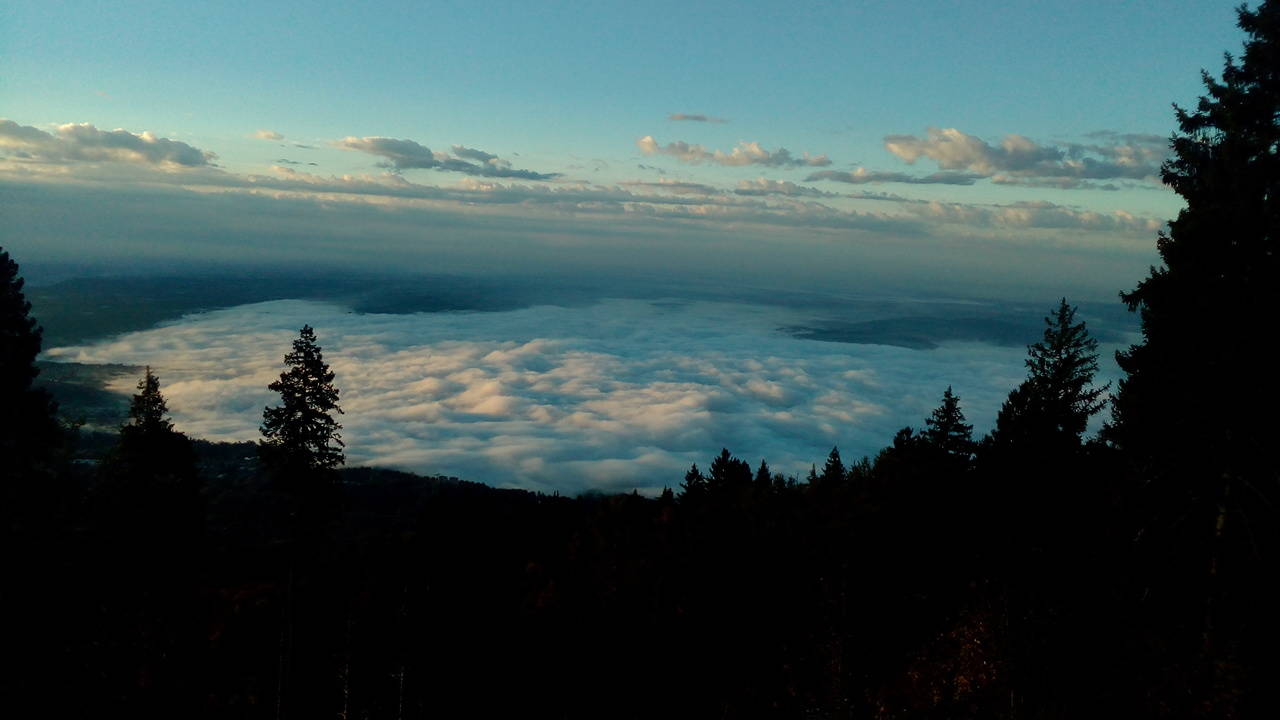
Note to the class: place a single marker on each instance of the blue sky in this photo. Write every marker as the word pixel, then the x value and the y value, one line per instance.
pixel 999 130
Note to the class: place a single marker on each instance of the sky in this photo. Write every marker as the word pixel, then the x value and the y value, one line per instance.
pixel 994 152
pixel 970 147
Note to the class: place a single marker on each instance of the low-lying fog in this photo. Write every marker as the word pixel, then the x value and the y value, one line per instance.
pixel 572 390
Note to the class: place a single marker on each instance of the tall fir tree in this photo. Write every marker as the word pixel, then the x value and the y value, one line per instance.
pixel 149 479
pixel 1198 400
pixel 149 450
pixel 1050 410
pixel 727 472
pixel 694 486
pixel 946 429
pixel 30 434
pixel 300 437
pixel 1195 415
pixel 833 471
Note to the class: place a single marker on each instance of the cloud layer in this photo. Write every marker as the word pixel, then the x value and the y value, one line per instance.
pixel 862 176
pixel 82 142
pixel 620 394
pixel 744 153
pixel 1020 160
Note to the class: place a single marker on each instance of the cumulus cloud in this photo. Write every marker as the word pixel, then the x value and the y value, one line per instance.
pixel 621 394
pixel 473 154
pixel 695 117
pixel 862 176
pixel 82 142
pixel 268 135
pixel 744 153
pixel 408 154
pixel 1018 158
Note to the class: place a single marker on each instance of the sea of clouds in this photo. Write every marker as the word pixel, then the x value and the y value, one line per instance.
pixel 616 395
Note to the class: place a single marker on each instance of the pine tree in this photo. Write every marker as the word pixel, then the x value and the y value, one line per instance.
pixel 764 476
pixel 149 478
pixel 148 408
pixel 300 437
pixel 1052 407
pixel 1195 414
pixel 30 435
pixel 727 473
pixel 694 485
pixel 148 443
pixel 833 472
pixel 1201 389
pixel 946 429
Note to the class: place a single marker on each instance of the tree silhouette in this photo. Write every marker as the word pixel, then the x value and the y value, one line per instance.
pixel 946 430
pixel 727 472
pixel 694 485
pixel 300 437
pixel 1205 349
pixel 1195 414
pixel 30 434
pixel 149 482
pixel 149 450
pixel 764 477
pixel 1052 407
pixel 833 471
pixel 148 408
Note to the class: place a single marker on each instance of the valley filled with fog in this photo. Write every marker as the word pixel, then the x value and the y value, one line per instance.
pixel 561 386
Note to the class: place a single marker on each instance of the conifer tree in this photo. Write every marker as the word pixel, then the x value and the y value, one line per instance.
pixel 727 472
pixel 946 429
pixel 147 409
pixel 1201 388
pixel 300 437
pixel 30 434
pixel 764 476
pixel 1052 407
pixel 694 484
pixel 833 471
pixel 149 479
pixel 149 449
pixel 1195 414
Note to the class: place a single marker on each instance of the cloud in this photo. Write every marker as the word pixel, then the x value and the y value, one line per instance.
pixel 862 176
pixel 694 117
pixel 268 135
pixel 614 395
pixel 408 154
pixel 1018 158
pixel 744 153
pixel 473 154
pixel 1039 214
pixel 82 142
pixel 678 187
pixel 764 186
